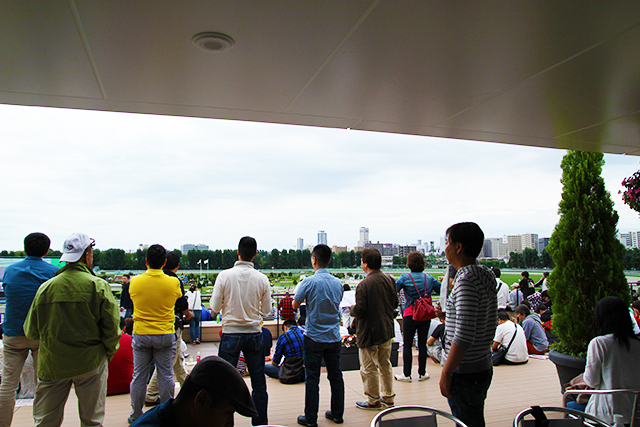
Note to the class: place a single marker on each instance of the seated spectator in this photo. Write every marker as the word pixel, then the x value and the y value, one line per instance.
pixel 290 344
pixel 267 340
pixel 611 361
pixel 537 342
pixel 535 299
pixel 435 343
pixel 502 289
pixel 121 365
pixel 515 298
pixel 636 311
pixel 213 391
pixel 348 299
pixel 518 353
pixel 543 281
pixel 544 312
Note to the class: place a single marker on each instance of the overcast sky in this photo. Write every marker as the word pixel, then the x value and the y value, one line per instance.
pixel 130 179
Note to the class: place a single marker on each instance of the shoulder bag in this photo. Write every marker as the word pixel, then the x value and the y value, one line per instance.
pixel 422 307
pixel 497 357
pixel 292 370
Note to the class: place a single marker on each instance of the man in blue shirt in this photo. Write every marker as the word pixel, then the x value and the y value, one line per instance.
pixel 21 281
pixel 289 344
pixel 323 294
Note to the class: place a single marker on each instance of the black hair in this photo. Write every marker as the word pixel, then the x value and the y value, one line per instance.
pixel 541 308
pixel 346 287
pixel 247 248
pixel 156 256
pixel 37 244
pixel 523 309
pixel 322 254
pixel 525 274
pixel 544 294
pixel 372 258
pixel 415 262
pixel 545 274
pixel 503 315
pixel 612 317
pixel 470 235
pixel 289 323
pixel 496 272
pixel 173 260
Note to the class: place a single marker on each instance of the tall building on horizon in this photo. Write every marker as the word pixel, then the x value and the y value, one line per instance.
pixel 300 244
pixel 188 247
pixel 322 237
pixel 364 236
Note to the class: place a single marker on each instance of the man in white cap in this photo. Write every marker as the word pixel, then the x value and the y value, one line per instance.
pixel 75 317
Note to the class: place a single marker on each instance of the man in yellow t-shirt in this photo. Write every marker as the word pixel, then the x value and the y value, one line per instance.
pixel 154 296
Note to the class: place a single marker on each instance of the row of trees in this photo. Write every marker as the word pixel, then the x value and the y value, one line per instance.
pixel 529 258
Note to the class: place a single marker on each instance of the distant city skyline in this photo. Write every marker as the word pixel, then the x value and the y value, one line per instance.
pixel 121 178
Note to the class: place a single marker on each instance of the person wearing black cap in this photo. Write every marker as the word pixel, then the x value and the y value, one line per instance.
pixel 211 394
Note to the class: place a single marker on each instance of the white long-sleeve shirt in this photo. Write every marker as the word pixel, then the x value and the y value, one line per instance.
pixel 240 294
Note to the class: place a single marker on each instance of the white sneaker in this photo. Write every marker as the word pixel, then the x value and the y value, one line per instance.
pixel 424 377
pixel 401 377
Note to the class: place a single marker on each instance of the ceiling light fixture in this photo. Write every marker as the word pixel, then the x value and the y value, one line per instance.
pixel 212 42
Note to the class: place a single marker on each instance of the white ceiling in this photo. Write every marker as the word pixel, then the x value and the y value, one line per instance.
pixel 556 73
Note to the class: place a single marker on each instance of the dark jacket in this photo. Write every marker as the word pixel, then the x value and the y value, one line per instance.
pixel 375 309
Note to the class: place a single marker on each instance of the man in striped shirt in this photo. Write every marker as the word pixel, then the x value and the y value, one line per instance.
pixel 470 327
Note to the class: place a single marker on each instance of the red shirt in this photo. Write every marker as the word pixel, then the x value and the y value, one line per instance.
pixel 286 308
pixel 121 368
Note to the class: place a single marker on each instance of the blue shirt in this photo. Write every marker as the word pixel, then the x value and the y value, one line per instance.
pixel 410 292
pixel 323 294
pixel 21 282
pixel 534 332
pixel 289 344
pixel 159 416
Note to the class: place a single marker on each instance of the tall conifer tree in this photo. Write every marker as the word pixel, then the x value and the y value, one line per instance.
pixel 587 255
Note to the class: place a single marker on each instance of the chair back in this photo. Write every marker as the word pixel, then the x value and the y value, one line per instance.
pixel 428 418
pixel 635 413
pixel 570 418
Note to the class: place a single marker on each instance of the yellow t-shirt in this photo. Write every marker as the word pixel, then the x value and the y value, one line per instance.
pixel 154 296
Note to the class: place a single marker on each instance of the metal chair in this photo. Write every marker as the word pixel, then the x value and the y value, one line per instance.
pixel 571 418
pixel 427 420
pixel 636 399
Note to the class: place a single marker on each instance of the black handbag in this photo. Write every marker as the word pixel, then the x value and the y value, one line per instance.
pixel 497 357
pixel 292 370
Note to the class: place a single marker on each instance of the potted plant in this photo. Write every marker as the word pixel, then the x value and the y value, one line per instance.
pixel 588 260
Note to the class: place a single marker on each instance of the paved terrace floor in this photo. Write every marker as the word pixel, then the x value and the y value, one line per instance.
pixel 513 388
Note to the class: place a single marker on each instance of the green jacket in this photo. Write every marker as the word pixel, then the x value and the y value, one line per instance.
pixel 75 317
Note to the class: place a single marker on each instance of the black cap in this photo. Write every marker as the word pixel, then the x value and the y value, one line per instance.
pixel 220 377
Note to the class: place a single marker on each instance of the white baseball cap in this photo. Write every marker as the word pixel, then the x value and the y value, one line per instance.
pixel 74 247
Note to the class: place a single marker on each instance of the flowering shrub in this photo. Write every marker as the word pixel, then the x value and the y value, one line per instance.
pixel 349 341
pixel 547 326
pixel 631 194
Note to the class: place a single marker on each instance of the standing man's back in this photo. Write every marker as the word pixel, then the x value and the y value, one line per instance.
pixel 240 294
pixel 154 296
pixel 21 282
pixel 323 294
pixel 75 317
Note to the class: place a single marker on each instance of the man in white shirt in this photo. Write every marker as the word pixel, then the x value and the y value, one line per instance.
pixel 502 289
pixel 518 353
pixel 241 293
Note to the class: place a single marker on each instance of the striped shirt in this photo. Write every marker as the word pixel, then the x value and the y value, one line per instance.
pixel 472 317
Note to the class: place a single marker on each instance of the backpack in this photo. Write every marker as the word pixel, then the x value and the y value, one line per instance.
pixel 422 307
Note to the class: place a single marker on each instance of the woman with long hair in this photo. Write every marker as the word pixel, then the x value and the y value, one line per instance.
pixel 415 285
pixel 611 360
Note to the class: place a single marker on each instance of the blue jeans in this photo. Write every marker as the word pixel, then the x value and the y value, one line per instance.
pixel 272 370
pixel 469 392
pixel 314 352
pixel 160 349
pixel 409 328
pixel 251 345
pixel 194 325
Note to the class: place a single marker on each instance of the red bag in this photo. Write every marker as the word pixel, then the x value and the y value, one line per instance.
pixel 422 307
